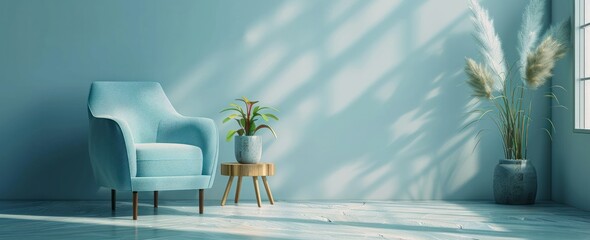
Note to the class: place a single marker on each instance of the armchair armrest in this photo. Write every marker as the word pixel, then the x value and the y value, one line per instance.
pixel 196 131
pixel 112 152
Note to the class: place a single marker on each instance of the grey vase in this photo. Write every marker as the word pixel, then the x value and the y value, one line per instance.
pixel 515 182
pixel 248 149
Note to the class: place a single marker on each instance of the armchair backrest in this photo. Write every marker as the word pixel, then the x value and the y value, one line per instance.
pixel 141 104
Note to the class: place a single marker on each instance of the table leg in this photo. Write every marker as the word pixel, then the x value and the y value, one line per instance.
pixel 238 189
pixel 257 190
pixel 227 188
pixel 272 201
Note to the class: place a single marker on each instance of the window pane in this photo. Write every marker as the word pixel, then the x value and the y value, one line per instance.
pixel 586 12
pixel 585 41
pixel 586 86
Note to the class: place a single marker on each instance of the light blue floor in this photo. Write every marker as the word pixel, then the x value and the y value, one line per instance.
pixel 292 220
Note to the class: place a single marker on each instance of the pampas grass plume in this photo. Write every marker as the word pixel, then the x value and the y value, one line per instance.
pixel 530 31
pixel 490 46
pixel 540 63
pixel 479 78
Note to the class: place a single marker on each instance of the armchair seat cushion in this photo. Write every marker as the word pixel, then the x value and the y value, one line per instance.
pixel 168 159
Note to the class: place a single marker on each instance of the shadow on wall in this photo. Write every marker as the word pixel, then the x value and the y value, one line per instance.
pixel 371 109
pixel 371 93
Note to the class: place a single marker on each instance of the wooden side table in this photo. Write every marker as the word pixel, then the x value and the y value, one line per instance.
pixel 253 170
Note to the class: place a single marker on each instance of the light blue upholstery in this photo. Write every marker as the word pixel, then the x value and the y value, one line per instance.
pixel 138 142
pixel 168 159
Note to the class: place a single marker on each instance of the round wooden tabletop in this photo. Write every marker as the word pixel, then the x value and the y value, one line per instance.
pixel 240 169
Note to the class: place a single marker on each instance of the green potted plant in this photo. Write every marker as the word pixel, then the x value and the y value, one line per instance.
pixel 507 98
pixel 248 146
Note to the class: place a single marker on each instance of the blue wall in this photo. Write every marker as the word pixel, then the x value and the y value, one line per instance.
pixel 570 163
pixel 371 93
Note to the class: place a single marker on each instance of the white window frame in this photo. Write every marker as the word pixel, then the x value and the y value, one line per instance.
pixel 581 122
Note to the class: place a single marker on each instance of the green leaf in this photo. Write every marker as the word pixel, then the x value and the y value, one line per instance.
pixel 263 117
pixel 236 106
pixel 252 129
pixel 269 108
pixel 239 122
pixel 553 96
pixel 559 86
pixel 230 117
pixel 267 127
pixel 552 125
pixel 548 133
pixel 478 137
pixel 243 99
pixel 271 116
pixel 243 122
pixel 497 97
pixel 229 135
pixel 256 109
pixel 229 109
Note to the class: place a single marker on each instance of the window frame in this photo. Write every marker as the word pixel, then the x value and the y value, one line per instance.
pixel 580 81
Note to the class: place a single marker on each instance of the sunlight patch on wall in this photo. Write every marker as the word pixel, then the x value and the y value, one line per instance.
pixel 261 65
pixel 286 13
pixel 423 185
pixel 255 33
pixel 438 77
pixel 295 75
pixel 432 94
pixel 370 179
pixel 288 129
pixel 201 73
pixel 338 9
pixel 413 146
pixel 341 179
pixel 472 116
pixel 419 165
pixel 386 91
pixel 466 167
pixel 436 91
pixel 409 123
pixel 353 79
pixel 359 24
pixel 283 16
pixel 439 20
pixel 386 189
pixel 454 141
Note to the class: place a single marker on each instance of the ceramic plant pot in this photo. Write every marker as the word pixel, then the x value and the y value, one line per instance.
pixel 515 182
pixel 248 149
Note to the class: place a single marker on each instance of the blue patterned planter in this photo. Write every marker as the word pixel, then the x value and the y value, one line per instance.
pixel 515 182
pixel 248 149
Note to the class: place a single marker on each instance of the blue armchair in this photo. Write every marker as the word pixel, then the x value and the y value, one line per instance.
pixel 138 142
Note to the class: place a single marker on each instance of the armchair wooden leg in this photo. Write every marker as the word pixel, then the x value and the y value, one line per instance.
pixel 201 198
pixel 135 203
pixel 155 199
pixel 113 199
